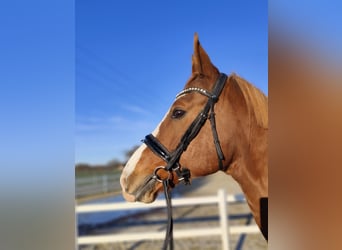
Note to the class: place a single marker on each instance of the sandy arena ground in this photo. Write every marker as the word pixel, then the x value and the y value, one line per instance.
pixel 187 218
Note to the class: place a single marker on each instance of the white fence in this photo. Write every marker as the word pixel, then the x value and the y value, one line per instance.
pixel 96 184
pixel 224 230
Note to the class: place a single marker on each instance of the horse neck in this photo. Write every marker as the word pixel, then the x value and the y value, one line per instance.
pixel 250 169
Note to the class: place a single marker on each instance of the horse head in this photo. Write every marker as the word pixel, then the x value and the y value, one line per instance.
pixel 200 156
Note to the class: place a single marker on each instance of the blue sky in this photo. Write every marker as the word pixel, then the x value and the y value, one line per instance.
pixel 138 59
pixel 133 57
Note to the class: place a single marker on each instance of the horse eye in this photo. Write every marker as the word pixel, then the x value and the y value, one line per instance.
pixel 178 113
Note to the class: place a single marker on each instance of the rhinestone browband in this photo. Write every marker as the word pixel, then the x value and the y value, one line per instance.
pixel 194 89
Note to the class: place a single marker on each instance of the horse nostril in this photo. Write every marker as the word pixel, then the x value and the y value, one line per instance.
pixel 124 183
pixel 128 197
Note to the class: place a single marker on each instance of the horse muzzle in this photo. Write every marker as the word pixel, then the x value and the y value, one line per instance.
pixel 127 196
pixel 146 192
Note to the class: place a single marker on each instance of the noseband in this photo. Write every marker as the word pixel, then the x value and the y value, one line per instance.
pixel 172 158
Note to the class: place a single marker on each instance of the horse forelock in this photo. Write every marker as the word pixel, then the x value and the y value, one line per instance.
pixel 256 101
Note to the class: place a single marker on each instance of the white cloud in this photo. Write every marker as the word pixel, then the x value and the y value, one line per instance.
pixel 92 123
pixel 135 109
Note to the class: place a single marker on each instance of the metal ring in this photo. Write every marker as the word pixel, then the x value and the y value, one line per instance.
pixel 157 177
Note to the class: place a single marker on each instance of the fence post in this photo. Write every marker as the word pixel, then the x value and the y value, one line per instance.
pixel 223 209
pixel 104 183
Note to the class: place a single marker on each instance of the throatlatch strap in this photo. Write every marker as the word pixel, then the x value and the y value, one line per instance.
pixel 219 152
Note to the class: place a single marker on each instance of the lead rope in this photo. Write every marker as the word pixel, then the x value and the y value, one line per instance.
pixel 169 229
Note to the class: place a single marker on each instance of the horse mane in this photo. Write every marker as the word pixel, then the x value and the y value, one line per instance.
pixel 256 101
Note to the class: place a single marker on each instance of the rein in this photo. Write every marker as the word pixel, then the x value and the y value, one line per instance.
pixel 172 158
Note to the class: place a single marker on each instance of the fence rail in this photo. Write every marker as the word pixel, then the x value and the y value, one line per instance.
pixel 96 184
pixel 224 230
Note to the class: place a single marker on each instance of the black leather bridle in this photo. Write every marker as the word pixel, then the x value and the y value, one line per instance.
pixel 172 158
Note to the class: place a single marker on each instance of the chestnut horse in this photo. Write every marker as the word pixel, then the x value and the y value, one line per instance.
pixel 234 140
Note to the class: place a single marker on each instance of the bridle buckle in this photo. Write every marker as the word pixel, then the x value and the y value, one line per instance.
pixel 184 175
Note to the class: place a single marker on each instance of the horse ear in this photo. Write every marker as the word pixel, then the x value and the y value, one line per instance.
pixel 200 60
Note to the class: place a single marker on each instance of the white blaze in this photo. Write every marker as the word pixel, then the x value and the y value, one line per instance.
pixel 133 161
